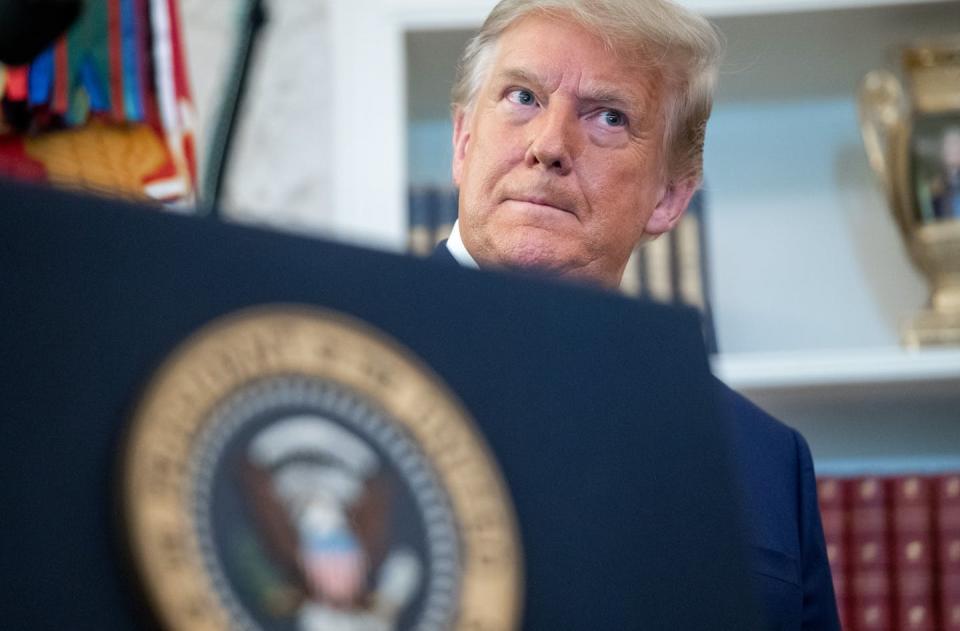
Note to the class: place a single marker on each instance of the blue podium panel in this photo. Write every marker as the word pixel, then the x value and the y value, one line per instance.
pixel 600 411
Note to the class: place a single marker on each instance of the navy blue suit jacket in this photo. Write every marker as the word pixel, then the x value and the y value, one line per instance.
pixel 787 552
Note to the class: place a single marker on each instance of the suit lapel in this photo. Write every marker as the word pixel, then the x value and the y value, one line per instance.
pixel 442 254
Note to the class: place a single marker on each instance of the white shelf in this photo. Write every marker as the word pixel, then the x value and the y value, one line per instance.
pixel 762 371
pixel 918 465
pixel 883 411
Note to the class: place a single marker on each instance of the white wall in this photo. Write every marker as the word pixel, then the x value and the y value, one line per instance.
pixel 281 169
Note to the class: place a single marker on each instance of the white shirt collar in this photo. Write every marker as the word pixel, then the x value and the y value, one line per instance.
pixel 458 250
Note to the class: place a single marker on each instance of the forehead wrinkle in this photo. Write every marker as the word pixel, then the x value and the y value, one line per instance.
pixel 630 94
pixel 545 82
pixel 607 95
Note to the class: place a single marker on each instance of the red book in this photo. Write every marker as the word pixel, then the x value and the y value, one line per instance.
pixel 948 549
pixel 832 497
pixel 911 521
pixel 871 593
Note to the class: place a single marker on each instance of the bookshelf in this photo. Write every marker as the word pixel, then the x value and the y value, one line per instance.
pixel 808 275
pixel 879 367
pixel 880 411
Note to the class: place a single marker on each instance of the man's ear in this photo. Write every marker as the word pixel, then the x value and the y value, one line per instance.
pixel 461 140
pixel 676 197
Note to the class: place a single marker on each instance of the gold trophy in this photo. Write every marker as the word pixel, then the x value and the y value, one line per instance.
pixel 913 143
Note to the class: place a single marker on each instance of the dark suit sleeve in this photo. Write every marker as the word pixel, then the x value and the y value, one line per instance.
pixel 819 603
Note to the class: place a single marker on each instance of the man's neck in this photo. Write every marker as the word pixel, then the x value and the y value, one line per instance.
pixel 458 249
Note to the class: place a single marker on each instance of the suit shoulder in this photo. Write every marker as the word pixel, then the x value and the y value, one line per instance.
pixel 745 412
pixel 754 428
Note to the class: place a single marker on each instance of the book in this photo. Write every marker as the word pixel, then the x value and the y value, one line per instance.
pixel 914 579
pixel 447 209
pixel 658 269
pixel 947 507
pixel 673 268
pixel 432 210
pixel 870 568
pixel 421 203
pixel 694 275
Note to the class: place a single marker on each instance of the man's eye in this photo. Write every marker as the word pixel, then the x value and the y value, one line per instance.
pixel 522 97
pixel 613 118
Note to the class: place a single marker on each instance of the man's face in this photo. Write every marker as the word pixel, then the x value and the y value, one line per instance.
pixel 560 159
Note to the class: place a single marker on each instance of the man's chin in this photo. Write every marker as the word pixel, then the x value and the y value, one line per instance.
pixel 534 262
pixel 544 261
pixel 535 250
pixel 551 261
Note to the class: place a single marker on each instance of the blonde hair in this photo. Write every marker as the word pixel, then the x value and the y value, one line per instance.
pixel 683 46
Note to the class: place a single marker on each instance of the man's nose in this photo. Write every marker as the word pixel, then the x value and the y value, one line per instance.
pixel 551 141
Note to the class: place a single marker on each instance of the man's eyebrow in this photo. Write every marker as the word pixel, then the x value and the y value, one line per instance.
pixel 603 95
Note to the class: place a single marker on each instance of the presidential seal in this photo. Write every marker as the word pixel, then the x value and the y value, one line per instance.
pixel 290 468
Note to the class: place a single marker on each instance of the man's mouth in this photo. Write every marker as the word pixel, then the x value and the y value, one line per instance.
pixel 543 201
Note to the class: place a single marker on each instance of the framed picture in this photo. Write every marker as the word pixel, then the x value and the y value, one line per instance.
pixel 936 166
